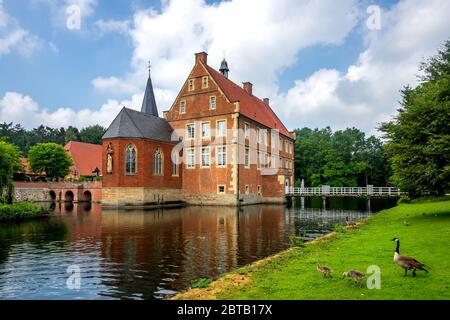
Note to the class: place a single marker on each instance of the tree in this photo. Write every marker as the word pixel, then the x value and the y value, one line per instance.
pixel 419 136
pixel 9 164
pixel 92 134
pixel 340 159
pixel 50 158
pixel 72 134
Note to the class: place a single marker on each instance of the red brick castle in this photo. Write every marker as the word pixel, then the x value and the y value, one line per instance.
pixel 218 144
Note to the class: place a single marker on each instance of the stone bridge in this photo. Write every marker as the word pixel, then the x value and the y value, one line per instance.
pixel 89 191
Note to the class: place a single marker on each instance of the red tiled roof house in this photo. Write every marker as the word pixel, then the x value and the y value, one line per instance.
pixel 222 145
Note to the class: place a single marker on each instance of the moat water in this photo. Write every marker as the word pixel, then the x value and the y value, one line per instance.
pixel 84 252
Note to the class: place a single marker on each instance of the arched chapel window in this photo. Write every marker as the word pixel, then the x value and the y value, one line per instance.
pixel 130 159
pixel 158 162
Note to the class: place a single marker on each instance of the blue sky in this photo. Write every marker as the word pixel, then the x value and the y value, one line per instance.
pixel 59 69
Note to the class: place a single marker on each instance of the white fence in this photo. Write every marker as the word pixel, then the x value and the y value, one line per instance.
pixel 345 191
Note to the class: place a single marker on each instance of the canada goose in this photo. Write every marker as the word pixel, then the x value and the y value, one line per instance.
pixel 349 222
pixel 325 270
pixel 355 275
pixel 407 263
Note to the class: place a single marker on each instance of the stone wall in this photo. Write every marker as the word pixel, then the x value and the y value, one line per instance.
pixel 32 194
pixel 117 197
pixel 41 191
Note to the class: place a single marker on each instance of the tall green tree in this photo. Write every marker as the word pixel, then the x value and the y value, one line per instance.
pixel 50 158
pixel 419 136
pixel 9 164
pixel 92 134
pixel 343 158
pixel 72 134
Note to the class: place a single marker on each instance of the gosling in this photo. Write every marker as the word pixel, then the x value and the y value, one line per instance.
pixel 407 263
pixel 350 222
pixel 355 275
pixel 326 271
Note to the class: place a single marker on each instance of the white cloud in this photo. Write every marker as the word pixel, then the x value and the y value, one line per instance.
pixel 13 38
pixel 263 38
pixel 267 33
pixel 19 108
pixel 368 93
pixel 114 84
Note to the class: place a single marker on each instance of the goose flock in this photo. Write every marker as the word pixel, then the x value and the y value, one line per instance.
pixel 406 263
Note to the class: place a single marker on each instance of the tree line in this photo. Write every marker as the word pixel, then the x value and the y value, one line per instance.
pixel 25 139
pixel 345 158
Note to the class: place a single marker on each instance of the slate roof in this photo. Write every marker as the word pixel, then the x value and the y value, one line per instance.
pixel 149 102
pixel 250 106
pixel 86 157
pixel 134 124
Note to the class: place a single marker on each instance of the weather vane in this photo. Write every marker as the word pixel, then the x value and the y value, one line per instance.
pixel 149 66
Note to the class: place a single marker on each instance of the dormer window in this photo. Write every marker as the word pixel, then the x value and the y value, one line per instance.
pixel 205 82
pixel 191 85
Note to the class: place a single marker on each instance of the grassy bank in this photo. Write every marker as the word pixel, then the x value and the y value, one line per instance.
pixel 21 211
pixel 424 231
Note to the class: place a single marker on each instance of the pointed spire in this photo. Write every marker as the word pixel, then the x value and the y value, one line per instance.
pixel 224 67
pixel 149 102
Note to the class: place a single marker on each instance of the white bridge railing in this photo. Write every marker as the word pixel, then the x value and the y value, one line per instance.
pixel 344 191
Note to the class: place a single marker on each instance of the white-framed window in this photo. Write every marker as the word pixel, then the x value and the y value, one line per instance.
pixel 266 160
pixel 205 83
pixel 247 157
pixel 191 85
pixel 175 166
pixel 247 130
pixel 158 162
pixel 190 157
pixel 190 130
pixel 222 156
pixel 206 157
pixel 258 135
pixel 220 189
pixel 273 162
pixel 247 189
pixel 265 133
pixel 206 130
pixel 130 160
pixel 221 128
pixel 183 106
pixel 212 102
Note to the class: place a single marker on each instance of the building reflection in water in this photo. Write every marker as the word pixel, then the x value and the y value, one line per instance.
pixel 141 254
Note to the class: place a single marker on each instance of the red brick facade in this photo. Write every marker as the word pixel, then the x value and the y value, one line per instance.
pixel 206 99
pixel 144 176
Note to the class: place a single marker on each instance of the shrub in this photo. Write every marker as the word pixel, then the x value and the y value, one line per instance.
pixel 200 283
pixel 21 210
pixel 404 199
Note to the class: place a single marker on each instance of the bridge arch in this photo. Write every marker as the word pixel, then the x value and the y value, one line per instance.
pixel 69 196
pixel 53 196
pixel 87 196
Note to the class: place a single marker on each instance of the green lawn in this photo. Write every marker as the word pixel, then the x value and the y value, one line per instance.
pixel 293 275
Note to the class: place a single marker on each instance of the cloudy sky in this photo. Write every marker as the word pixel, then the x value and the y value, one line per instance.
pixel 321 62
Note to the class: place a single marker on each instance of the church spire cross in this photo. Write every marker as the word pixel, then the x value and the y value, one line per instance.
pixel 149 102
